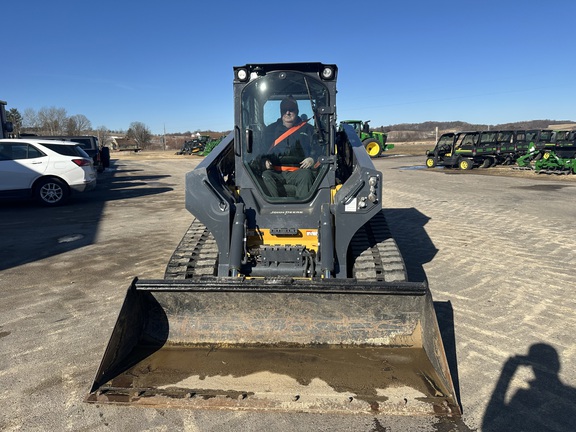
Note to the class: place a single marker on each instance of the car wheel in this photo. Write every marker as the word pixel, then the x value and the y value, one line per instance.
pixel 51 192
pixel 486 163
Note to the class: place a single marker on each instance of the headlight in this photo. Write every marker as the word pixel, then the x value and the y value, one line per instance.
pixel 327 73
pixel 242 74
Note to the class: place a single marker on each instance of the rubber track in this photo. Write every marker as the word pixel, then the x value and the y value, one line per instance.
pixel 375 253
pixel 196 255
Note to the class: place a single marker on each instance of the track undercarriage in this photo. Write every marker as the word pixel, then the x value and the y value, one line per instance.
pixel 374 252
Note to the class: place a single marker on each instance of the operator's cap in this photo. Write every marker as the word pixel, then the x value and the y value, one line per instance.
pixel 288 103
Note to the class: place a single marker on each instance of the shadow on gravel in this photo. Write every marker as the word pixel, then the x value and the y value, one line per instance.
pixel 417 249
pixel 31 232
pixel 407 228
pixel 542 404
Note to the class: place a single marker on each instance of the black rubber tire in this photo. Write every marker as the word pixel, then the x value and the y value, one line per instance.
pixel 105 157
pixel 51 192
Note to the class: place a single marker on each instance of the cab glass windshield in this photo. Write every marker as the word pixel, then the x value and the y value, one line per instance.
pixel 286 134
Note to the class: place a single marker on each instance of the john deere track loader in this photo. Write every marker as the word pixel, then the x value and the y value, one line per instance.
pixel 292 300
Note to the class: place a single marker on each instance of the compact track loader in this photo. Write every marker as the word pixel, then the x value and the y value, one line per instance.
pixel 281 297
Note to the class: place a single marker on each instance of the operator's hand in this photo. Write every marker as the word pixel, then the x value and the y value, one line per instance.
pixel 268 164
pixel 307 163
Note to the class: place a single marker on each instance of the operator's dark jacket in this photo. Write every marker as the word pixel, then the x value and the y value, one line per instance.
pixel 293 149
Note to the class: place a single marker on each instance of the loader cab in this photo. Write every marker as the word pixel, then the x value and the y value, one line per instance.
pixel 270 152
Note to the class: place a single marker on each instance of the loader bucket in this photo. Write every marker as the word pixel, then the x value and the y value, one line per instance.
pixel 329 346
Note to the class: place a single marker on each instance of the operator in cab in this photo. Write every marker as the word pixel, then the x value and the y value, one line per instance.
pixel 291 155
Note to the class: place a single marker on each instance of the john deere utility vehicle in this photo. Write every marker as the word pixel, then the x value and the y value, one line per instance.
pixel 453 150
pixel 283 302
pixel 465 150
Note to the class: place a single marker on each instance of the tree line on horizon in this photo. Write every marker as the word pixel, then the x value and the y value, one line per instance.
pixel 426 131
pixel 461 125
pixel 56 121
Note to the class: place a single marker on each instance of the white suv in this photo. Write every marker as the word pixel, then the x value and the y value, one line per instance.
pixel 46 170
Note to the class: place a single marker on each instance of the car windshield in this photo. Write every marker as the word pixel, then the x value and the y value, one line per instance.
pixel 445 141
pixel 287 134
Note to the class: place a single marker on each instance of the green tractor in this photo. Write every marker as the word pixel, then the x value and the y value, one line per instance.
pixel 374 142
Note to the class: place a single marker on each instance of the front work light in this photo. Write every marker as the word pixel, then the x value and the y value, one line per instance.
pixel 327 73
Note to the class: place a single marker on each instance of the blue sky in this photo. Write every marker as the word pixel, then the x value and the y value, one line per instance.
pixel 168 64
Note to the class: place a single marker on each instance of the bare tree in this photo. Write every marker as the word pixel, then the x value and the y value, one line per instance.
pixel 52 120
pixel 140 133
pixel 30 119
pixel 78 125
pixel 103 135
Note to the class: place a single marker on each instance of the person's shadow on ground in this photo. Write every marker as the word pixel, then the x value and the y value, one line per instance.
pixel 546 405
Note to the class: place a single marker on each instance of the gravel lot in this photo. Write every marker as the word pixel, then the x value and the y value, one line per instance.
pixel 496 246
